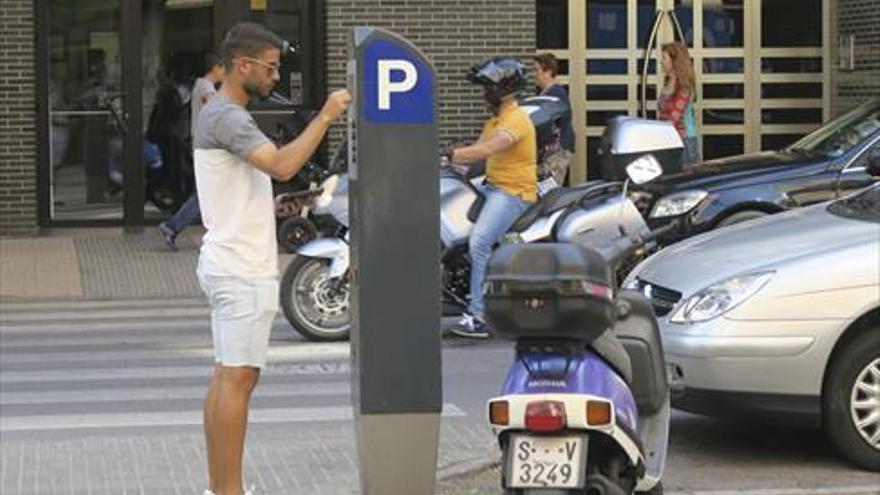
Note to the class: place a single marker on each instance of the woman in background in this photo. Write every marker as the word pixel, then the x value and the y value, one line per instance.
pixel 675 102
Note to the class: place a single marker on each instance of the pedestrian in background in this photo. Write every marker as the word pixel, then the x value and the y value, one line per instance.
pixel 238 265
pixel 204 88
pixel 675 101
pixel 556 162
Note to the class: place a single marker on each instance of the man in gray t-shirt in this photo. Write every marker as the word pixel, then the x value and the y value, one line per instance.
pixel 238 265
pixel 203 89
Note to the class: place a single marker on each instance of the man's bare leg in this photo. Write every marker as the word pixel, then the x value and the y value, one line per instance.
pixel 229 424
pixel 209 407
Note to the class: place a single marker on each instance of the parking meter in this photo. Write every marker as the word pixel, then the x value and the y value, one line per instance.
pixel 395 250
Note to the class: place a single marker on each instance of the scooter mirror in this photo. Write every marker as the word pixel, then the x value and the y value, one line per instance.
pixel 644 169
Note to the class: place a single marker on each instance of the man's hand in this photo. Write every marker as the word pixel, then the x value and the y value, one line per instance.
pixel 337 103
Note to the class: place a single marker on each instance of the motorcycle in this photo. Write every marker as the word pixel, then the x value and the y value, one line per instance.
pixel 584 214
pixel 585 405
pixel 296 225
pixel 296 222
pixel 314 287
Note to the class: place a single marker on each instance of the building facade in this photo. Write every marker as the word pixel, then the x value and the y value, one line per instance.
pixel 90 86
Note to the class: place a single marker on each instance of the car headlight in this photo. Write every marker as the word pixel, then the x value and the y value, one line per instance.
pixel 720 298
pixel 678 203
pixel 631 283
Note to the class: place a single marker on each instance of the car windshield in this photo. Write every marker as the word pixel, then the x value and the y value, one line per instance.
pixel 862 206
pixel 837 137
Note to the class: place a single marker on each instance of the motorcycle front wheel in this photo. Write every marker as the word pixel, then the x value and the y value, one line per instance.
pixel 316 306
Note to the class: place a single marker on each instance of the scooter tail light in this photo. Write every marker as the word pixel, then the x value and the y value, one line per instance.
pixel 499 413
pixel 598 413
pixel 545 416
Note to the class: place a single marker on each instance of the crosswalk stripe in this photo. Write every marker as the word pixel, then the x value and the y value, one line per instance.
pixel 84 305
pixel 181 418
pixel 151 373
pixel 166 393
pixel 79 315
pixel 104 326
pixel 277 352
pixel 110 325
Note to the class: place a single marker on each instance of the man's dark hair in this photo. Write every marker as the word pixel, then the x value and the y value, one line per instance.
pixel 209 61
pixel 547 61
pixel 247 39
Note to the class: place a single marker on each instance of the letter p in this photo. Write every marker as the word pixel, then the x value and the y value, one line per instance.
pixel 386 87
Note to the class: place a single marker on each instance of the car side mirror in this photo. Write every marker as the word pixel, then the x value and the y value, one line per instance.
pixel 873 168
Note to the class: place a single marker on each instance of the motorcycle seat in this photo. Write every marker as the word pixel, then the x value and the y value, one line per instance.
pixel 612 351
pixel 559 199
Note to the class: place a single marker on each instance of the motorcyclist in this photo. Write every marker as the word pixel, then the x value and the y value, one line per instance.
pixel 508 147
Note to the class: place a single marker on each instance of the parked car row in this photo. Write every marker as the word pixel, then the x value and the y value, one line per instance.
pixel 826 164
pixel 777 317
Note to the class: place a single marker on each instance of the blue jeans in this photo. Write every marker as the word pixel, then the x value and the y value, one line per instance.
pixel 499 212
pixel 186 215
pixel 691 155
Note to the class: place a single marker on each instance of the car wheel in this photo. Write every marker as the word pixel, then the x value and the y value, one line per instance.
pixel 742 216
pixel 851 400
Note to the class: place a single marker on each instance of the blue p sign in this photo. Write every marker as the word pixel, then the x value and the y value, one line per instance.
pixel 398 86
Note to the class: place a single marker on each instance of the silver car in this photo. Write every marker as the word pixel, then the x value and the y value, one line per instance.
pixel 779 316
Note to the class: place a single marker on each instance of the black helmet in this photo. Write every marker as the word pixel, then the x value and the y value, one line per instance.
pixel 499 77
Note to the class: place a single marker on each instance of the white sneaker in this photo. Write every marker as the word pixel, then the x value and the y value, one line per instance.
pixel 473 327
pixel 208 492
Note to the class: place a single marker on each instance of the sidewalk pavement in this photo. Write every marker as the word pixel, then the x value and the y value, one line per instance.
pixel 99 264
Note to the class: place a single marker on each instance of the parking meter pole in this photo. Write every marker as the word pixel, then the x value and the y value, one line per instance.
pixel 395 249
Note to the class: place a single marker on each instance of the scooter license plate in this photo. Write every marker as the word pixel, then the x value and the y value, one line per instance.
pixel 547 462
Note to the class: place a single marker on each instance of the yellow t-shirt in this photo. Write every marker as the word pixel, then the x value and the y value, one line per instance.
pixel 514 170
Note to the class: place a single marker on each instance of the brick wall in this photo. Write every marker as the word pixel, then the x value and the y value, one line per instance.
pixel 862 19
pixel 454 34
pixel 18 146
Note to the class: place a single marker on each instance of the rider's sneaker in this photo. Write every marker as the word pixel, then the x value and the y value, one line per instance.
pixel 471 326
pixel 169 235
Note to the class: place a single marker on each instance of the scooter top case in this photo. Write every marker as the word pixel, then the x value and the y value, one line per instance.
pixel 626 139
pixel 549 292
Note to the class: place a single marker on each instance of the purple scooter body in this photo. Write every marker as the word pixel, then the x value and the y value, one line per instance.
pixel 584 373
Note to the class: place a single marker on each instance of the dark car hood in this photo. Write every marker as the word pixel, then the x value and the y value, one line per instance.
pixel 725 172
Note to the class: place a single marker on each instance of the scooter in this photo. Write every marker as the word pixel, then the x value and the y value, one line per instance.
pixel 585 405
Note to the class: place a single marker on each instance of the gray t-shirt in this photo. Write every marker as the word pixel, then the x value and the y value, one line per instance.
pixel 224 124
pixel 234 196
pixel 203 89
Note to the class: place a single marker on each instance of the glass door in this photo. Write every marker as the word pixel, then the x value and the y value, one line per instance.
pixel 284 111
pixel 177 37
pixel 85 125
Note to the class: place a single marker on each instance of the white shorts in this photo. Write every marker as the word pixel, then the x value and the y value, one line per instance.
pixel 242 313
